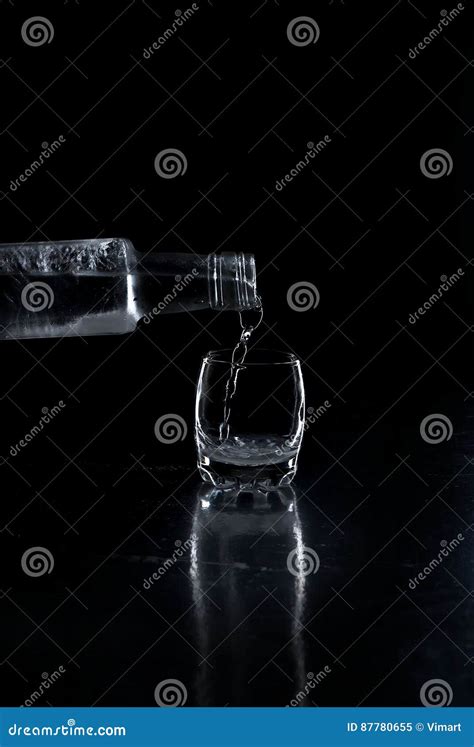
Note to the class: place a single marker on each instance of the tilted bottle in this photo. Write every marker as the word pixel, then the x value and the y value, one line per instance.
pixel 104 286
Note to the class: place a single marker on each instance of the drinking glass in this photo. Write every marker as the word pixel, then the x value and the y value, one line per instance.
pixel 249 419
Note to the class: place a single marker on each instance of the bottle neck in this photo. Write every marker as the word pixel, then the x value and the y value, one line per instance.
pixel 170 283
pixel 232 281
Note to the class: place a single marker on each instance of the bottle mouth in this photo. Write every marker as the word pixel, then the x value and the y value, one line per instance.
pixel 232 281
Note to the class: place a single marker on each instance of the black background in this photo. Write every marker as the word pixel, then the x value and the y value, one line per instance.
pixel 362 223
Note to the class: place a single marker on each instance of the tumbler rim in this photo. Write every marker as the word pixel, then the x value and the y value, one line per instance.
pixel 254 357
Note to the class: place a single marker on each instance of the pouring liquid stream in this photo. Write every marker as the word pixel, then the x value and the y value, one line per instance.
pixel 250 320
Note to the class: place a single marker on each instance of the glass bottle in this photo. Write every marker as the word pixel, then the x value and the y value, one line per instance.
pixel 104 286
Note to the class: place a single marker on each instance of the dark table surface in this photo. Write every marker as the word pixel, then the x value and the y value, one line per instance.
pixel 233 613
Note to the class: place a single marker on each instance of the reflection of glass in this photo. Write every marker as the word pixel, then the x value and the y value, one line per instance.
pixel 261 404
pixel 240 542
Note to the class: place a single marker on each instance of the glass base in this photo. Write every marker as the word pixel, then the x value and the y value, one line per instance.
pixel 260 476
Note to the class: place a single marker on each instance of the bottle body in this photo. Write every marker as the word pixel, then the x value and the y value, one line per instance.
pixel 103 286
